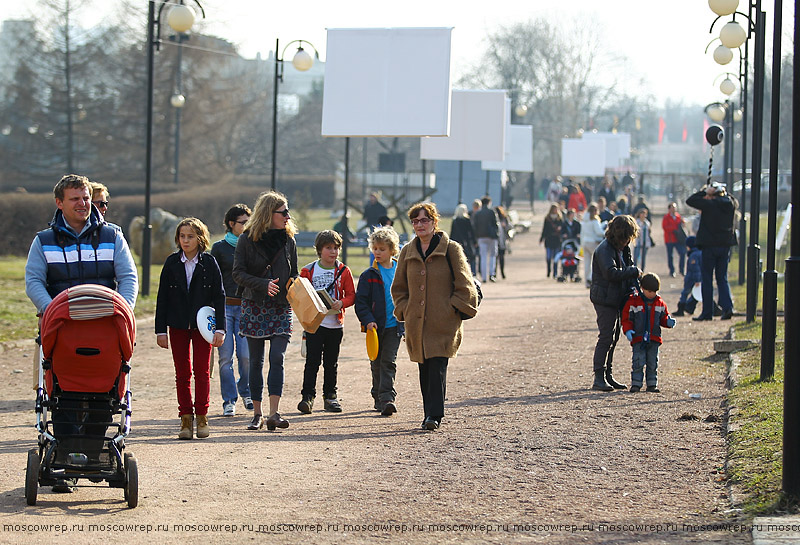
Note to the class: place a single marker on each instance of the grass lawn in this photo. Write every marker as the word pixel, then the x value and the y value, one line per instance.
pixel 756 440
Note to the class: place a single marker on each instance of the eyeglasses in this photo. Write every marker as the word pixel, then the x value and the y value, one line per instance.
pixel 242 222
pixel 421 221
pixel 100 204
pixel 284 212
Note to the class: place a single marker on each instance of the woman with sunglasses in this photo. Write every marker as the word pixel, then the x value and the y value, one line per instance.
pixel 264 262
pixel 100 197
pixel 432 289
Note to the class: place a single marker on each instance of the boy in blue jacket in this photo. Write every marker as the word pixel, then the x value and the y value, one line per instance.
pixel 643 316
pixel 694 275
pixel 375 310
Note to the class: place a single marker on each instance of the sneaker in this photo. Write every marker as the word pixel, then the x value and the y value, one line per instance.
pixel 306 404
pixel 248 403
pixel 653 389
pixel 229 408
pixel 389 409
pixel 332 405
pixel 635 389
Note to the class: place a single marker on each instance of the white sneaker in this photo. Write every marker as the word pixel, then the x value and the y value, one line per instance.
pixel 228 409
pixel 248 403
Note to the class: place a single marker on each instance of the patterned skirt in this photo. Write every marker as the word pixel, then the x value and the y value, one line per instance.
pixel 270 320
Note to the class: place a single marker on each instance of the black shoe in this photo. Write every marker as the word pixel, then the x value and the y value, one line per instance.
pixel 65 486
pixel 275 421
pixel 600 382
pixel 389 409
pixel 653 389
pixel 256 423
pixel 717 310
pixel 727 315
pixel 701 319
pixel 306 404
pixel 492 278
pixel 430 424
pixel 613 383
pixel 635 389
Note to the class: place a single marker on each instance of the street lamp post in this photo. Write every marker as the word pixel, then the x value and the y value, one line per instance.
pixel 181 19
pixel 178 101
pixel 302 61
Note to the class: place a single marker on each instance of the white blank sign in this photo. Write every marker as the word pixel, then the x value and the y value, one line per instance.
pixel 583 157
pixel 618 146
pixel 387 82
pixel 520 151
pixel 477 129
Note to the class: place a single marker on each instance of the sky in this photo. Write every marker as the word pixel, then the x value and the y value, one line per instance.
pixel 656 48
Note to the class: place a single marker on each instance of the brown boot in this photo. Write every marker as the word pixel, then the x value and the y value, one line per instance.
pixel 187 421
pixel 202 426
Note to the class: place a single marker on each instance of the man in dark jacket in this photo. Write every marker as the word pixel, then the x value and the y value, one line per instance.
pixel 715 236
pixel 484 223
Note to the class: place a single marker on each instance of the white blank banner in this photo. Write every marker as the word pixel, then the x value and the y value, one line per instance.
pixel 477 129
pixel 387 82
pixel 583 157
pixel 618 146
pixel 520 151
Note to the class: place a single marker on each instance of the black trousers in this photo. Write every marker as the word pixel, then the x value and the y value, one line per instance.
pixel 322 347
pixel 609 325
pixel 433 383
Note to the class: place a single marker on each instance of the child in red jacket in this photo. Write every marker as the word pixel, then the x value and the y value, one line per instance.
pixel 322 346
pixel 643 317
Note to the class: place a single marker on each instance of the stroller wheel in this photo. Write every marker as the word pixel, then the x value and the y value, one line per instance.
pixel 131 481
pixel 32 477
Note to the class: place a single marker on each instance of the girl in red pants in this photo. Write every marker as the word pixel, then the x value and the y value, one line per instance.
pixel 190 280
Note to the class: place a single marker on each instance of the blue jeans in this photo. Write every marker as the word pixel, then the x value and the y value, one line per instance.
pixel 715 265
pixel 681 256
pixel 277 352
pixel 639 252
pixel 645 355
pixel 488 251
pixel 229 387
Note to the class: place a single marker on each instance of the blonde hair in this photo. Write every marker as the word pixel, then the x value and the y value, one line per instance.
pixel 199 228
pixel 261 220
pixel 385 235
pixel 461 211
pixel 430 210
pixel 98 187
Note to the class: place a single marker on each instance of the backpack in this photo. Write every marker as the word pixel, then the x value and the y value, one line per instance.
pixel 475 280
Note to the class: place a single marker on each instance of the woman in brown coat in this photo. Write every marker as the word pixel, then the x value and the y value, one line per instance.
pixel 431 295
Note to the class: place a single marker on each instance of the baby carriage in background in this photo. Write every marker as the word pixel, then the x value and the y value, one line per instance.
pixel 569 259
pixel 87 337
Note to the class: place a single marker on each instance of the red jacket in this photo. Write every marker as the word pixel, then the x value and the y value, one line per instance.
pixel 634 318
pixel 577 201
pixel 670 225
pixel 343 287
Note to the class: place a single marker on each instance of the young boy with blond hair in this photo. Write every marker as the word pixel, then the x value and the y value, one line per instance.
pixel 374 308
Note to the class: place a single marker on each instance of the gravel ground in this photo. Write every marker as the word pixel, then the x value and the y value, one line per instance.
pixel 526 453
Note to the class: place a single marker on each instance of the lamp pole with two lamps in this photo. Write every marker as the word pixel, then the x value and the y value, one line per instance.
pixel 302 62
pixel 180 18
pixel 177 100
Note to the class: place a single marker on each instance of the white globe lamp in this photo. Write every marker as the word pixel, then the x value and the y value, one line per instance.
pixel 732 35
pixel 723 7
pixel 716 113
pixel 727 86
pixel 723 55
pixel 177 100
pixel 180 18
pixel 302 61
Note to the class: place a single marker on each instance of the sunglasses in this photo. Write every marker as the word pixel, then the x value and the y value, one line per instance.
pixel 100 204
pixel 284 213
pixel 421 221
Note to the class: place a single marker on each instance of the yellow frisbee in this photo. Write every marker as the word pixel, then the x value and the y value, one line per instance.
pixel 372 344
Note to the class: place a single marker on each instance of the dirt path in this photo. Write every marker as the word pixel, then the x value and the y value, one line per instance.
pixel 524 443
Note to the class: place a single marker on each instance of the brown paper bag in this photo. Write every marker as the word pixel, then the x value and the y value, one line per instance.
pixel 306 304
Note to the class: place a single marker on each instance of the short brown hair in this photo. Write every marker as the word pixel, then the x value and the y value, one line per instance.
pixel 622 230
pixel 233 214
pixel 326 237
pixel 650 282
pixel 71 181
pixel 385 235
pixel 200 230
pixel 430 210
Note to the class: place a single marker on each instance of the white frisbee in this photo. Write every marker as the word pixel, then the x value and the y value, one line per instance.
pixel 697 293
pixel 207 322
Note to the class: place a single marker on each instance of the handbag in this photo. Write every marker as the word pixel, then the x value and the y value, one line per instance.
pixel 474 280
pixel 680 235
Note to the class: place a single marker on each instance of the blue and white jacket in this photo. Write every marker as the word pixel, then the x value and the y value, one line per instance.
pixel 59 258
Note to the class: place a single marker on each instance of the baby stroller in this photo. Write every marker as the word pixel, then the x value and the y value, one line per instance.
pixel 87 339
pixel 569 259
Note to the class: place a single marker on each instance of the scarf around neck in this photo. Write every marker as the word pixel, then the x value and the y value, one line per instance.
pixel 231 239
